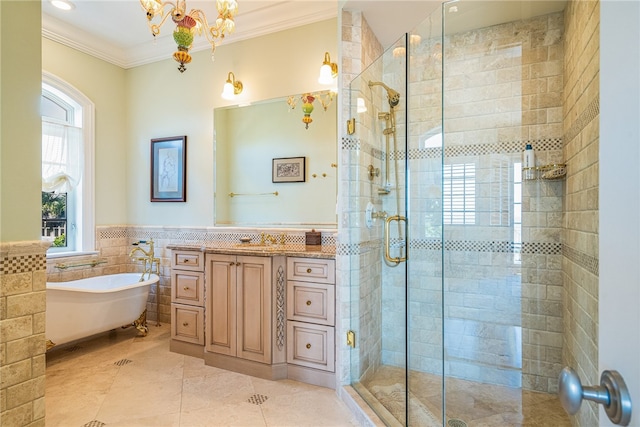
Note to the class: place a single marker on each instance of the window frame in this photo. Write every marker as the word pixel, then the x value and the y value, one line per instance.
pixel 85 211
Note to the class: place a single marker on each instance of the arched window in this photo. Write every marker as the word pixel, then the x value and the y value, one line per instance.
pixel 67 167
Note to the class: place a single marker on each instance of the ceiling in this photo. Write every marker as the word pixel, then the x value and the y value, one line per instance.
pixel 116 30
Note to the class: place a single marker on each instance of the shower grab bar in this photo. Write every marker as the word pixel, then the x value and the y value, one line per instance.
pixel 275 193
pixel 387 246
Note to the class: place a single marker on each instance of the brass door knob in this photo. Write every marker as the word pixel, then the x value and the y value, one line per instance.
pixel 308 302
pixel 186 288
pixel 308 346
pixel 185 324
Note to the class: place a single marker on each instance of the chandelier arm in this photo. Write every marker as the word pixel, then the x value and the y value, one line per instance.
pixel 155 28
pixel 211 32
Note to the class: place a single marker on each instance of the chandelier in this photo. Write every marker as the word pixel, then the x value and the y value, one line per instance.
pixel 324 98
pixel 190 24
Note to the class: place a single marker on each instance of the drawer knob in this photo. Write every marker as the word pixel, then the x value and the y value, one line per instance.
pixel 308 270
pixel 232 263
pixel 308 302
pixel 185 324
pixel 185 260
pixel 308 346
pixel 186 288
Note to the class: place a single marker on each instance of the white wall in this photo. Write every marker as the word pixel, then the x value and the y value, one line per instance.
pixel 163 102
pixel 619 335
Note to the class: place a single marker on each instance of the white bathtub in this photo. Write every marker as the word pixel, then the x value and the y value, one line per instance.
pixel 85 307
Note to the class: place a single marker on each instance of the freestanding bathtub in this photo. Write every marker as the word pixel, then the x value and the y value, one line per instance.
pixel 85 307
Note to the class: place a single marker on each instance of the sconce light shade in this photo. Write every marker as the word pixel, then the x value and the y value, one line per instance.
pixel 361 106
pixel 232 87
pixel 328 70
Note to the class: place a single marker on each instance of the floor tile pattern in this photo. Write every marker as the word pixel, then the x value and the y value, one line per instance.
pixel 121 380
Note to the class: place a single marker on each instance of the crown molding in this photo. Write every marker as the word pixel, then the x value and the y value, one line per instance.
pixel 271 18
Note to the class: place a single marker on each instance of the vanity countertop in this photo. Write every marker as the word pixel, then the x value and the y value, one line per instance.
pixel 306 251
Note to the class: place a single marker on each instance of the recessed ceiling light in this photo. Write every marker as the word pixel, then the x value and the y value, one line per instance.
pixel 62 4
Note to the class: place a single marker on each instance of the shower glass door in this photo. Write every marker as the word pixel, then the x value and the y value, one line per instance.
pixel 469 328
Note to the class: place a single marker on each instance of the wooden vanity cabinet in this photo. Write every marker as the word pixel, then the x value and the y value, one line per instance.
pixel 311 320
pixel 187 302
pixel 244 294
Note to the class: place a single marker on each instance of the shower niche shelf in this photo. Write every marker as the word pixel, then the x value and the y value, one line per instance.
pixel 551 172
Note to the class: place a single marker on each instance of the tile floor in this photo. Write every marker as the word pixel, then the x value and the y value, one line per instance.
pixel 119 379
pixel 477 405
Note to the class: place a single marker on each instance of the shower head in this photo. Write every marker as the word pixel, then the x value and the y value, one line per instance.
pixel 392 95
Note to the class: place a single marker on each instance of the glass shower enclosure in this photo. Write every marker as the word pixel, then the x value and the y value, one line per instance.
pixel 456 258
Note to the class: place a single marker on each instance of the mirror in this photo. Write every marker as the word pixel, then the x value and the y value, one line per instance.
pixel 249 138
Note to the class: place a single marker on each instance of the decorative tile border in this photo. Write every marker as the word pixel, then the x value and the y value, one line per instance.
pixel 588 262
pixel 507 147
pixel 585 261
pixel 23 263
pixel 203 237
pixel 587 116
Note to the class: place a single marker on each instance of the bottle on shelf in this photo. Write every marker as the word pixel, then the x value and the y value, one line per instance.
pixel 529 162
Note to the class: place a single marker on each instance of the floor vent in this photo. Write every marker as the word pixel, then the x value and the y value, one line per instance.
pixel 123 362
pixel 257 399
pixel 453 422
pixel 94 423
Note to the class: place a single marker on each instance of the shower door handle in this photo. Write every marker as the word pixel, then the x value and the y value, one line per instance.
pixel 612 393
pixel 387 245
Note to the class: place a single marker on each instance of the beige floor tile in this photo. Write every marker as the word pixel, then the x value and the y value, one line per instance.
pixel 215 389
pixel 141 400
pixel 164 420
pixel 150 369
pixel 238 415
pixel 150 386
pixel 311 408
pixel 64 410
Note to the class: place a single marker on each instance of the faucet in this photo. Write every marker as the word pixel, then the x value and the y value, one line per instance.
pixel 273 240
pixel 264 238
pixel 148 258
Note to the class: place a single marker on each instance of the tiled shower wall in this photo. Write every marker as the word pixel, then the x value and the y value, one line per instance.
pixel 503 295
pixel 22 329
pixel 580 236
pixel 358 255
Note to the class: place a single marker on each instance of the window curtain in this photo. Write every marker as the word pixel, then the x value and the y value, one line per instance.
pixel 61 157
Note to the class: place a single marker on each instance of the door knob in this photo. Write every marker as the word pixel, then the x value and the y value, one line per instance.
pixel 612 393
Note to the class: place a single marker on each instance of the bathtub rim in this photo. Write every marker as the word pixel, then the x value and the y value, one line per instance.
pixel 59 286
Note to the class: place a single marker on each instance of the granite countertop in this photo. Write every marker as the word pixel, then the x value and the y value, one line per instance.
pixel 306 251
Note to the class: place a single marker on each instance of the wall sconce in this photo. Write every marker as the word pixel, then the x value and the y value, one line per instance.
pixel 232 87
pixel 328 70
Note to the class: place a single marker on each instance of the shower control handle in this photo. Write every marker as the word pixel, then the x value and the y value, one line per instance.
pixel 612 393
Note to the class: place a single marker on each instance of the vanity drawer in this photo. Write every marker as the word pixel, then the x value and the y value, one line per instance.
pixel 187 260
pixel 311 302
pixel 188 323
pixel 311 270
pixel 187 287
pixel 311 345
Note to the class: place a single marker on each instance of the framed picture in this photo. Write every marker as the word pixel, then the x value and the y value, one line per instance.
pixel 288 169
pixel 169 169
